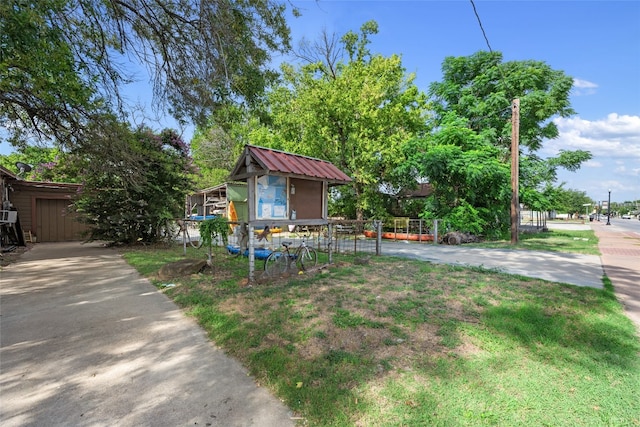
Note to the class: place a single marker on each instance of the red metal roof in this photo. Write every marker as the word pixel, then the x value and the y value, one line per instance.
pixel 269 160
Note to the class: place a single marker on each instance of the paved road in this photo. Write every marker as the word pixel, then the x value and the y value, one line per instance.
pixel 85 341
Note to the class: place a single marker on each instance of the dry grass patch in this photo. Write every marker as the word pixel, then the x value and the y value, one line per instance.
pixel 403 342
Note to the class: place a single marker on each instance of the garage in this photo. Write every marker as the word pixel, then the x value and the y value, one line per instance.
pixel 42 208
pixel 54 222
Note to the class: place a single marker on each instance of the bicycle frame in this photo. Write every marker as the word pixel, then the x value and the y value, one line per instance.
pixel 280 262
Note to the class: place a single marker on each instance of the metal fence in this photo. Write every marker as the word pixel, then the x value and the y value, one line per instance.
pixel 338 236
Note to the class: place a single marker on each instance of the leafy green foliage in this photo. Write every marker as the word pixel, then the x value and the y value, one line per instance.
pixel 48 164
pixel 217 145
pixel 43 87
pixel 60 59
pixel 212 229
pixel 140 192
pixel 467 158
pixel 566 200
pixel 480 87
pixel 356 114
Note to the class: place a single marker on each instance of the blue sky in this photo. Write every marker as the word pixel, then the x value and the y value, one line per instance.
pixel 595 42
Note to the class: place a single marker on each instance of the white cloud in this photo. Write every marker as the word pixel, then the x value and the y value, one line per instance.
pixel 616 136
pixel 583 87
pixel 592 164
pixel 584 84
pixel 614 142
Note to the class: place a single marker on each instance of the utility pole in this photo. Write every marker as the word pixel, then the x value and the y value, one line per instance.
pixel 515 170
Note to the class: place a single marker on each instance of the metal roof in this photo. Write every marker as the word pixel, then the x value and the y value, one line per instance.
pixel 266 160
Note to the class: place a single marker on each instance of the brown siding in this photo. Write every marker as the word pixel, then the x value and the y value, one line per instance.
pixel 307 202
pixel 44 211
pixel 55 223
pixel 22 202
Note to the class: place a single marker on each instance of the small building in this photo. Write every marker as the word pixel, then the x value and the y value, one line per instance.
pixel 213 201
pixel 42 209
pixel 284 190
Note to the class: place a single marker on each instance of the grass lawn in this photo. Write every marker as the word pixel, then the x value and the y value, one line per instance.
pixel 573 241
pixel 400 342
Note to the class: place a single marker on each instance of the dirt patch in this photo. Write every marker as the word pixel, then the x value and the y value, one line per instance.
pixel 365 313
pixel 14 255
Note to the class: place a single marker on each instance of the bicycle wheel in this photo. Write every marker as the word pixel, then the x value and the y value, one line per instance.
pixel 194 241
pixel 308 258
pixel 276 264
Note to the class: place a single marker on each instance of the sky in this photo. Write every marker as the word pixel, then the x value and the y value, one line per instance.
pixel 597 43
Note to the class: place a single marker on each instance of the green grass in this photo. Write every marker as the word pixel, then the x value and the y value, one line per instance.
pixel 406 343
pixel 572 241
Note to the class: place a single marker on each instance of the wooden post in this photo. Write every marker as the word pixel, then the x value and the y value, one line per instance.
pixel 435 231
pixel 515 149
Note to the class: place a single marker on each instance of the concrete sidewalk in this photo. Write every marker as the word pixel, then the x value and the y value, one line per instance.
pixel 86 341
pixel 621 261
pixel 574 269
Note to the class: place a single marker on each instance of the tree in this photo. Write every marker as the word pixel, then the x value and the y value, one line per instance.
pixel 140 190
pixel 467 174
pixel 216 147
pixel 471 140
pixel 357 114
pixel 59 59
pixel 568 201
pixel 47 164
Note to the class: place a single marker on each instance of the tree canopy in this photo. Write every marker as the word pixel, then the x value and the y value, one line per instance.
pixel 140 191
pixel 466 157
pixel 356 113
pixel 60 60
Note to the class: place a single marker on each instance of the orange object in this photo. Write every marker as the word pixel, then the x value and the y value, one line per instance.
pixel 232 214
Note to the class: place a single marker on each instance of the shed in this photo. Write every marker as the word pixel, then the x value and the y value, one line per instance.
pixel 212 201
pixel 285 188
pixel 42 207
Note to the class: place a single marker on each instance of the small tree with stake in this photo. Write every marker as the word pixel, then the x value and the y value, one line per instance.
pixel 210 231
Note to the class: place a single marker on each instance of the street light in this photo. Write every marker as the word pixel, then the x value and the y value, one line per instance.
pixel 609 209
pixel 586 212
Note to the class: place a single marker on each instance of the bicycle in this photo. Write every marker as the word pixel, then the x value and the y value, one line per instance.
pixel 280 262
pixel 177 230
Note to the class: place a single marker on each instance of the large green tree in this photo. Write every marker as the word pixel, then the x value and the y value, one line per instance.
pixel 356 112
pixel 216 147
pixel 141 188
pixel 60 59
pixel 472 136
pixel 45 164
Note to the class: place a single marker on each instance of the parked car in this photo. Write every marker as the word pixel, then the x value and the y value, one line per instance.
pixel 626 216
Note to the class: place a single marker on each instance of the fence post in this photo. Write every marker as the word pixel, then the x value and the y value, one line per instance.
pixel 355 240
pixel 435 231
pixel 330 232
pixel 378 225
pixel 252 254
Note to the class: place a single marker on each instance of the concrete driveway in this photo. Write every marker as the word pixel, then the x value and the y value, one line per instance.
pixel 86 341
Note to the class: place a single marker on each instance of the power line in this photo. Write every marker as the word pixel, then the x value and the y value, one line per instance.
pixel 481 27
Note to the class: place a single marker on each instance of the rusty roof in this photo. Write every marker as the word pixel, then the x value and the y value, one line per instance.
pixel 264 161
